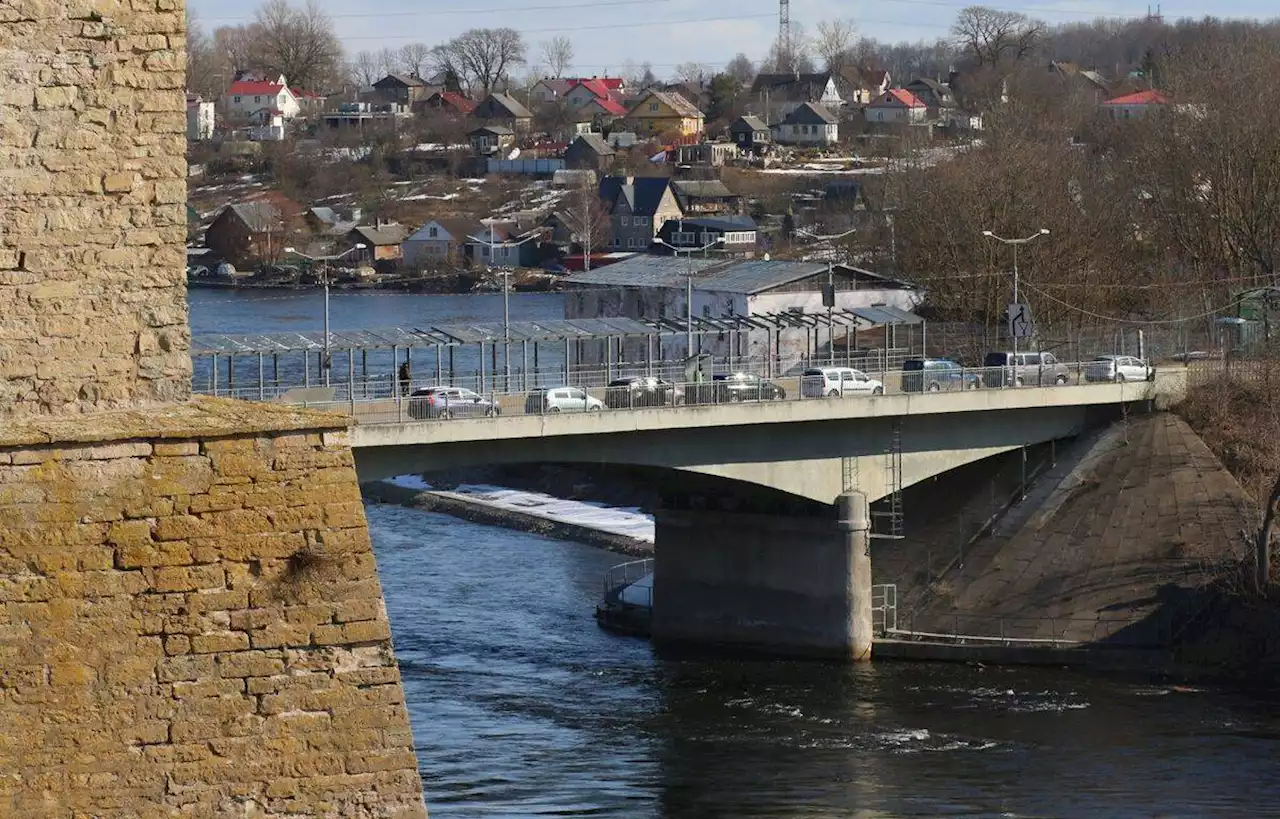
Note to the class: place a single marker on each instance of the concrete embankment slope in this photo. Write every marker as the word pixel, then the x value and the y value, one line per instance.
pixel 1111 550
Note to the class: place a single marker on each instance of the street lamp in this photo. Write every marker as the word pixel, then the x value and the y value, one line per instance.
pixel 324 269
pixel 688 296
pixel 506 301
pixel 831 328
pixel 1016 243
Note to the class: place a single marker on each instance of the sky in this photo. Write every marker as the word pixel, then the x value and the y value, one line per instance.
pixel 608 33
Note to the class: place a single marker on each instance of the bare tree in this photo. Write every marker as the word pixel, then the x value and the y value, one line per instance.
pixel 691 71
pixel 741 68
pixel 205 74
pixel 235 47
pixel 994 37
pixel 364 69
pixel 298 42
pixel 785 58
pixel 587 218
pixel 834 43
pixel 484 56
pixel 557 53
pixel 414 57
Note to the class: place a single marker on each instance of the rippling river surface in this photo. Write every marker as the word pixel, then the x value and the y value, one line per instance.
pixel 522 707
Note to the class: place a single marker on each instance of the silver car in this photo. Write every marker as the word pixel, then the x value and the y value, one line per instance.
pixel 1118 368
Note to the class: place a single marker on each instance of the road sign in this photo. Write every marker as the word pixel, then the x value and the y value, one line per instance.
pixel 1020 323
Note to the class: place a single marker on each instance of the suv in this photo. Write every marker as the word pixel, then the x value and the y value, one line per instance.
pixel 746 387
pixel 1016 370
pixel 560 399
pixel 449 402
pixel 837 381
pixel 641 391
pixel 934 374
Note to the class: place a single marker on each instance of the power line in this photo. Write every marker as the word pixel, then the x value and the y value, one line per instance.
pixel 608 27
pixel 1118 320
pixel 456 10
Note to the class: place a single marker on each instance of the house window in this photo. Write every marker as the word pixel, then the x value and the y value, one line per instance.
pixel 624 220
pixel 433 231
pixel 653 106
pixel 642 220
pixel 236 99
pixel 257 99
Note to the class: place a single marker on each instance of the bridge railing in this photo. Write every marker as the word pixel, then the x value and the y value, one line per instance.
pixel 1144 630
pixel 619 577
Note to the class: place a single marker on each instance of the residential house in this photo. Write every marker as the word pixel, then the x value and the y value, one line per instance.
pixel 327 221
pixel 448 102
pixel 254 100
pixel 589 151
pixel 662 112
pixel 440 241
pixel 808 124
pixel 698 93
pixel 784 93
pixel 248 233
pixel 714 154
pixel 750 134
pixel 503 109
pixel 860 85
pixel 897 105
pixel 502 243
pixel 200 118
pixel 652 288
pixel 488 139
pixel 401 89
pixel 600 111
pixel 936 96
pixel 446 80
pixel 638 205
pixel 1083 80
pixel 382 244
pixel 549 90
pixel 705 197
pixel 310 103
pixel 734 234
pixel 1134 106
pixel 584 91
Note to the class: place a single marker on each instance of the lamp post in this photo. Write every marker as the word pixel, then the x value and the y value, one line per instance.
pixel 324 268
pixel 831 329
pixel 506 300
pixel 688 296
pixel 1016 243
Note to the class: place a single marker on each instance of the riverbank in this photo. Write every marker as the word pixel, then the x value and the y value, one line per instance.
pixel 626 531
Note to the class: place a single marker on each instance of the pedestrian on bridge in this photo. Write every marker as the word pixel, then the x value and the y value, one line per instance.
pixel 405 380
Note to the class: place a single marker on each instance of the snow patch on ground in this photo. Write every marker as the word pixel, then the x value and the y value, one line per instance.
pixel 627 522
pixel 409 482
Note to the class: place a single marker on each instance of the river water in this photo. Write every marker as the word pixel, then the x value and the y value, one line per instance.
pixel 522 707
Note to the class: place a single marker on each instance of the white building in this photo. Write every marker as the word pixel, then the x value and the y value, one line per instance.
pixel 897 105
pixel 200 118
pixel 808 124
pixel 250 100
pixel 653 288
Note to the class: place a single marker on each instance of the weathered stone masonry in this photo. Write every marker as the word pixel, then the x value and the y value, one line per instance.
pixel 92 205
pixel 190 619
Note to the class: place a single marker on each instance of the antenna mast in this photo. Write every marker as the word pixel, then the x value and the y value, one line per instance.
pixel 785 58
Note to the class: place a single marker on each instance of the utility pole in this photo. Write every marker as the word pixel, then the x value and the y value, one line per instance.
pixel 688 295
pixel 1016 243
pixel 324 278
pixel 831 288
pixel 506 295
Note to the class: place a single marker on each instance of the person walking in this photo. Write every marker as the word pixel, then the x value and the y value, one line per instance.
pixel 405 379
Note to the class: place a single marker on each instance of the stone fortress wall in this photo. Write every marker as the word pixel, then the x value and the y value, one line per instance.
pixel 191 622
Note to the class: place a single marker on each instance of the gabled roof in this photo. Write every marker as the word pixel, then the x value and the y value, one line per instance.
pixel 716 275
pixel 459 103
pixel 940 90
pixel 792 87
pixel 642 195
pixel 594 86
pixel 250 88
pixel 259 217
pixel 609 105
pixel 1149 97
pixel 701 189
pixel 747 123
pixel 810 113
pixel 406 80
pixel 456 228
pixel 501 106
pixel 382 235
pixel 672 100
pixel 895 97
pixel 556 85
pixel 498 130
pixel 596 143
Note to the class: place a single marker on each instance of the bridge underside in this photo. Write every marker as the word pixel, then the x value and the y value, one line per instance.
pixel 806 460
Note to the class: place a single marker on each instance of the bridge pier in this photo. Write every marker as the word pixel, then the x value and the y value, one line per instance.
pixel 789 586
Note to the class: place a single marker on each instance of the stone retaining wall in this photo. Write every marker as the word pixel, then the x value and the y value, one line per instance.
pixel 191 622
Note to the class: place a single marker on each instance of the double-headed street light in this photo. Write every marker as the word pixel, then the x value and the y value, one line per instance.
pixel 506 301
pixel 831 329
pixel 1015 243
pixel 688 296
pixel 324 270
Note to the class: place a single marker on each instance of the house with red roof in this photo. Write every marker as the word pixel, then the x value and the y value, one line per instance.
pixel 1134 106
pixel 897 105
pixel 449 102
pixel 586 91
pixel 261 100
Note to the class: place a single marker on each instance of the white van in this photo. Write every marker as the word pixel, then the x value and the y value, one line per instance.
pixel 820 382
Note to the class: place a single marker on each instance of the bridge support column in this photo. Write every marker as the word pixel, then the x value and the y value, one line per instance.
pixel 790 586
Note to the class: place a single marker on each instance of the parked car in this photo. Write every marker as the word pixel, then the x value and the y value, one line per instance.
pixel 819 382
pixel 449 402
pixel 560 399
pixel 642 391
pixel 935 374
pixel 746 387
pixel 1118 368
pixel 1023 369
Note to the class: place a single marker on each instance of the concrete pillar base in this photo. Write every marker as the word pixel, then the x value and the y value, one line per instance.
pixel 785 586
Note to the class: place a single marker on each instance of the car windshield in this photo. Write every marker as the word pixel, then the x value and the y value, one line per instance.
pixel 913 364
pixel 1107 358
pixel 818 373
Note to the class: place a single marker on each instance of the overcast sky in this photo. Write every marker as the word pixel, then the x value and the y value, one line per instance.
pixel 665 33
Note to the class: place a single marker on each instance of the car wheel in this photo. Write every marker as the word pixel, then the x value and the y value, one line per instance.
pixel 972 385
pixel 1061 380
pixel 734 397
pixel 878 391
pixel 934 387
pixel 833 394
pixel 555 409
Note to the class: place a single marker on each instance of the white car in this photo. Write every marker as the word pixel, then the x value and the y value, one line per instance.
pixel 820 382
pixel 1118 368
pixel 561 399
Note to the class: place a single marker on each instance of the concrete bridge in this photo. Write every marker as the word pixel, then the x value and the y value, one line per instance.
pixel 790 583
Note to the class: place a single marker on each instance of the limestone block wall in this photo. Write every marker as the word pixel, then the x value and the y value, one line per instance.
pixel 92 205
pixel 191 622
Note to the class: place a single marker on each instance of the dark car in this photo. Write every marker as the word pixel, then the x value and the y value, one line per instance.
pixel 641 391
pixel 746 387
pixel 936 374
pixel 449 402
